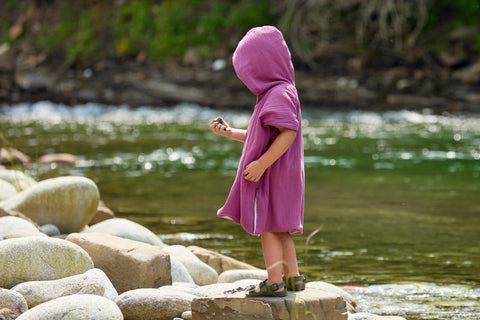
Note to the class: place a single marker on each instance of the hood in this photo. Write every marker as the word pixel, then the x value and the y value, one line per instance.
pixel 262 60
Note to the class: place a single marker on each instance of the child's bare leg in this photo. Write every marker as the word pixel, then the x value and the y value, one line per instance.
pixel 273 255
pixel 289 255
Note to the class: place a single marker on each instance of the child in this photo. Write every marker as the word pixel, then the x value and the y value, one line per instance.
pixel 267 197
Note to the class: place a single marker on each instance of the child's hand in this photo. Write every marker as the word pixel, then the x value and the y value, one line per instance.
pixel 254 171
pixel 219 126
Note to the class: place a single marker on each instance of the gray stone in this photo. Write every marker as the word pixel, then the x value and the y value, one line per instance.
pixel 179 272
pixel 50 229
pixel 307 304
pixel 23 234
pixel 74 307
pixel 68 202
pixel 38 258
pixel 128 264
pixel 153 304
pixel 235 275
pixel 126 229
pixel 6 190
pixel 9 223
pixel 37 292
pixel 110 291
pixel 201 273
pixel 13 301
pixel 351 303
pixel 218 261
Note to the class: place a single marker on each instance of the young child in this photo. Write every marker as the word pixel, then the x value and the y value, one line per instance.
pixel 267 197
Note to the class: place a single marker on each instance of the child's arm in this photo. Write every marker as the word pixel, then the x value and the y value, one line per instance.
pixel 222 128
pixel 255 169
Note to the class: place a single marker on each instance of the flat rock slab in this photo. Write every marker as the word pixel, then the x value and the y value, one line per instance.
pixel 305 305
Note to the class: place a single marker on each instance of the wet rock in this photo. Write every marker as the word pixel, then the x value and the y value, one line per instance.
pixel 68 202
pixel 37 258
pixel 218 261
pixel 8 224
pixel 78 306
pixel 235 275
pixel 201 273
pixel 59 159
pixel 18 179
pixel 13 301
pixel 161 304
pixel 351 303
pixel 307 304
pixel 103 213
pixel 37 292
pixel 126 229
pixel 128 264
pixel 7 190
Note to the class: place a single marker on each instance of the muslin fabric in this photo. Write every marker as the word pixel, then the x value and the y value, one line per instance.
pixel 263 63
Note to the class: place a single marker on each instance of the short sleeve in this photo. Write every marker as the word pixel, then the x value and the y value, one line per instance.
pixel 280 111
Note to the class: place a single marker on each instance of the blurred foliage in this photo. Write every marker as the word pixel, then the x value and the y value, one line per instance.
pixel 86 30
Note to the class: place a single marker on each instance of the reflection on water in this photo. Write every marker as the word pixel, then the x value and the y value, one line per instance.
pixel 395 193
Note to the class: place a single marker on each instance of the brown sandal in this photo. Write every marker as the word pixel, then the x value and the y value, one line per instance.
pixel 267 291
pixel 292 284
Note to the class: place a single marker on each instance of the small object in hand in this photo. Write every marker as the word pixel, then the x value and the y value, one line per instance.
pixel 220 121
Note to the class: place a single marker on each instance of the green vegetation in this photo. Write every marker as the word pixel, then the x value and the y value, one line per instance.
pixel 86 30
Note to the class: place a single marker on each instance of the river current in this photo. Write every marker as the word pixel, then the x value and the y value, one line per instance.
pixel 392 198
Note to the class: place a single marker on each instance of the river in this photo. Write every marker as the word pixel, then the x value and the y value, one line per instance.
pixel 392 198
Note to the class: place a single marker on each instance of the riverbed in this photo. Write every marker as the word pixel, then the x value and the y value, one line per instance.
pixel 391 197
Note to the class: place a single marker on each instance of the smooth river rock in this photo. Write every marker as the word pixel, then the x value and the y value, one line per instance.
pixel 74 307
pixel 127 229
pixel 201 273
pixel 7 190
pixel 9 224
pixel 12 300
pixel 37 292
pixel 38 258
pixel 18 179
pixel 67 202
pixel 128 264
pixel 307 304
pixel 235 275
pixel 218 261
pixel 321 285
pixel 154 304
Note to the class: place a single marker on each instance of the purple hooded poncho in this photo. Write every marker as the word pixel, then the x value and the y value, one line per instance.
pixel 275 203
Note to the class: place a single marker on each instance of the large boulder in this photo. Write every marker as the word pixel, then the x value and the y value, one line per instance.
pixel 218 261
pixel 7 190
pixel 351 303
pixel 38 258
pixel 306 304
pixel 77 306
pixel 200 272
pixel 12 300
pixel 37 292
pixel 67 202
pixel 18 179
pixel 9 224
pixel 127 229
pixel 128 264
pixel 154 304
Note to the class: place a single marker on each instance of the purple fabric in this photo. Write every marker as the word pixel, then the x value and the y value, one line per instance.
pixel 275 203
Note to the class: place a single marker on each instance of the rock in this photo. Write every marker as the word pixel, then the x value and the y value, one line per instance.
pixel 307 304
pixel 37 292
pixel 201 273
pixel 13 301
pixel 61 159
pixel 351 303
pixel 11 213
pixel 416 101
pixel 219 288
pixel 235 275
pixel 128 264
pixel 126 229
pixel 8 224
pixel 23 234
pixel 370 316
pixel 110 291
pixel 469 74
pixel 78 306
pixel 6 190
pixel 7 314
pixel 18 179
pixel 37 258
pixel 187 315
pixel 103 213
pixel 11 156
pixel 154 304
pixel 50 229
pixel 179 272
pixel 68 202
pixel 218 261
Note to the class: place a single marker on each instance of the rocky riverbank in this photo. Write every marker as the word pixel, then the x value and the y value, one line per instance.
pixel 53 265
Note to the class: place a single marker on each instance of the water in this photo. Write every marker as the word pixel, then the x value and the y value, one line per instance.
pixel 394 194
